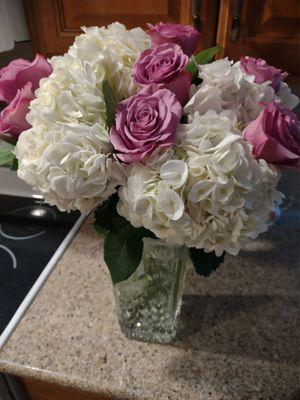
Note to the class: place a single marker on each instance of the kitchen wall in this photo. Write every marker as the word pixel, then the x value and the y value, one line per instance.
pixel 14 36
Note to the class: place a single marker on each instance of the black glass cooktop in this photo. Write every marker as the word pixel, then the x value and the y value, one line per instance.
pixel 30 233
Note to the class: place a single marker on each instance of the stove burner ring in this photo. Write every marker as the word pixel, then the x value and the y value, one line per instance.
pixel 20 237
pixel 32 211
pixel 9 252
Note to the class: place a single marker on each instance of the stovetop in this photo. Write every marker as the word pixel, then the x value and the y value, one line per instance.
pixel 30 234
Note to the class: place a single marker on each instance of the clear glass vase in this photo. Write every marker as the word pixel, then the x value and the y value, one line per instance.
pixel 149 302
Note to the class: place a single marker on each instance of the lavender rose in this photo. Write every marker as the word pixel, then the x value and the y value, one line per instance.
pixel 186 36
pixel 18 81
pixel 262 71
pixel 13 117
pixel 164 65
pixel 144 123
pixel 275 136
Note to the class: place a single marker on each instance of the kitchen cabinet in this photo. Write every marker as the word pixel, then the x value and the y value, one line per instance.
pixel 268 29
pixel 261 28
pixel 53 24
pixel 38 390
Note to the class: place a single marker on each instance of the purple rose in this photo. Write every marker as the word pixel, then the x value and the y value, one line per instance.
pixel 18 82
pixel 275 136
pixel 13 117
pixel 164 65
pixel 19 72
pixel 186 36
pixel 262 71
pixel 144 123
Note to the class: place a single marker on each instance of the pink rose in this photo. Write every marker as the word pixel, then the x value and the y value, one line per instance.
pixel 13 117
pixel 18 82
pixel 164 65
pixel 19 72
pixel 144 123
pixel 186 36
pixel 275 136
pixel 262 71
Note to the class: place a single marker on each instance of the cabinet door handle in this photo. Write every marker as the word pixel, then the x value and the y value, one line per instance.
pixel 236 20
pixel 196 14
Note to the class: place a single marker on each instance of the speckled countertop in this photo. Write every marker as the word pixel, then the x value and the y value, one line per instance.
pixel 239 335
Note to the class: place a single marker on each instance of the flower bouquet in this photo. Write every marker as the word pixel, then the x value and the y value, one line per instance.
pixel 176 154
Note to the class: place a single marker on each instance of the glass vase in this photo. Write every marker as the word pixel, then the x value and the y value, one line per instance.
pixel 148 303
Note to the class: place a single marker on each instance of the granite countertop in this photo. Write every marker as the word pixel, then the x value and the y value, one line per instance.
pixel 239 335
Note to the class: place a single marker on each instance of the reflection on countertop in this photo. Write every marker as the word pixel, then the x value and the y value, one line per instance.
pixel 239 335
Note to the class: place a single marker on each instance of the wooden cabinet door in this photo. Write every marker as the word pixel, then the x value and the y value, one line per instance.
pixel 261 28
pixel 40 390
pixel 53 24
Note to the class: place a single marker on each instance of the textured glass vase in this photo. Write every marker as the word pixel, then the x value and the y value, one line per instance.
pixel 149 302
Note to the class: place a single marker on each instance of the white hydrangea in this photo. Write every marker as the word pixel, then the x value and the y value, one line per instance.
pixel 68 166
pixel 204 98
pixel 226 87
pixel 66 155
pixel 71 95
pixel 285 96
pixel 115 49
pixel 211 194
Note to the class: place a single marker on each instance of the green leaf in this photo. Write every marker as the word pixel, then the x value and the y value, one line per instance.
pixel 205 263
pixel 123 252
pixel 100 230
pixel 105 213
pixel 14 165
pixel 6 155
pixel 110 103
pixel 123 247
pixel 204 57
